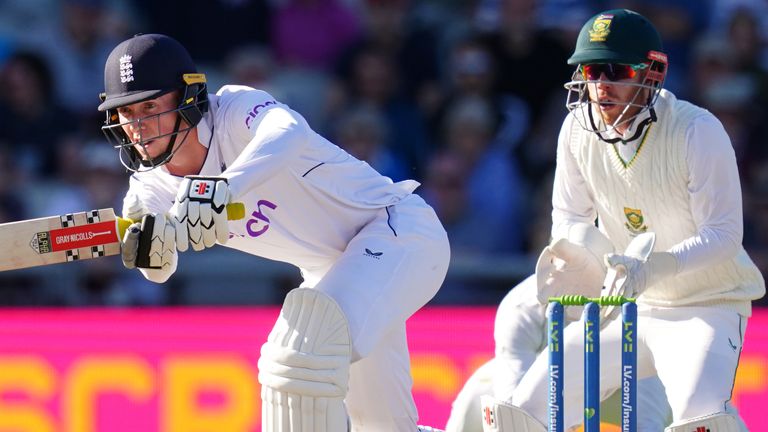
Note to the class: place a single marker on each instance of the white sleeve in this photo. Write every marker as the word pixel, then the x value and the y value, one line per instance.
pixel 715 197
pixel 571 198
pixel 141 199
pixel 147 194
pixel 274 137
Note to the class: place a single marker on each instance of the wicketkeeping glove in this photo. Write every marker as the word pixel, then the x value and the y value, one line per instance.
pixel 630 274
pixel 573 265
pixel 200 213
pixel 634 275
pixel 564 268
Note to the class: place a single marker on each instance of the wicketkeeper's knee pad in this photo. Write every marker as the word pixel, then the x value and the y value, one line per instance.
pixel 304 366
pixel 720 422
pixel 502 417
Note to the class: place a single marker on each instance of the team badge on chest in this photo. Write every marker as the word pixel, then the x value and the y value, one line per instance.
pixel 635 221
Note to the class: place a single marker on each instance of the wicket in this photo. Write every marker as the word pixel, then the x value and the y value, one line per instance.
pixel 591 317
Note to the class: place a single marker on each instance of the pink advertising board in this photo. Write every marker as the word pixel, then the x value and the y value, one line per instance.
pixel 194 370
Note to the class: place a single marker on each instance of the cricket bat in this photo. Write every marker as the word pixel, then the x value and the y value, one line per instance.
pixel 69 237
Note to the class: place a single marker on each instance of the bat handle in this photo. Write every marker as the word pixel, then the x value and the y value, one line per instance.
pixel 235 211
pixel 122 227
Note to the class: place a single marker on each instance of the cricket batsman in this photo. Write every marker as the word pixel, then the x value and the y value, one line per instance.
pixel 371 252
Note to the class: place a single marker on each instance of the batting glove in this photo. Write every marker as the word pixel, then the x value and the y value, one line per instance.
pixel 149 244
pixel 199 213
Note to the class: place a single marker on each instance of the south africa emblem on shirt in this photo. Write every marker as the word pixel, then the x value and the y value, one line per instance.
pixel 635 221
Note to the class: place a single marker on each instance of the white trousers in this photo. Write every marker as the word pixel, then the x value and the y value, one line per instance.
pixel 392 268
pixel 693 350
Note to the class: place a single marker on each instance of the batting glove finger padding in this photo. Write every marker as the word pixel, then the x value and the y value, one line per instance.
pixel 150 243
pixel 200 212
pixel 162 243
pixel 194 227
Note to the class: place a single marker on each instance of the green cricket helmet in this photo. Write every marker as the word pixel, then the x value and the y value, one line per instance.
pixel 616 36
pixel 622 42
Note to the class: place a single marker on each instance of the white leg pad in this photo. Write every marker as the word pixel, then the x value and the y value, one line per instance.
pixel 719 422
pixel 501 417
pixel 304 366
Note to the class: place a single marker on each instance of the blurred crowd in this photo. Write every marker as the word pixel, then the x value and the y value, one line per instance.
pixel 465 96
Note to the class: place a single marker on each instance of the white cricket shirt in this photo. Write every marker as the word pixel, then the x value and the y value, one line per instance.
pixel 683 184
pixel 305 197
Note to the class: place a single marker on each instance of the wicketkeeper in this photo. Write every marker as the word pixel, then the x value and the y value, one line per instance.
pixel 637 159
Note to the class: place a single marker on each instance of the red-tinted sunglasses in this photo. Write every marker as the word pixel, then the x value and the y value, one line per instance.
pixel 612 71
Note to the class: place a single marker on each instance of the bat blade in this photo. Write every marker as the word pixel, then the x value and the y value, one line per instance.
pixel 58 239
pixel 69 237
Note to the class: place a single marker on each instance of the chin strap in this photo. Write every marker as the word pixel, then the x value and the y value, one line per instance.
pixel 638 132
